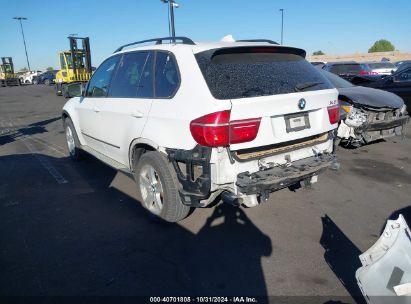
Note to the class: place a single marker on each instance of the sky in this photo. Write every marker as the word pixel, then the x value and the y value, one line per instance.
pixel 333 26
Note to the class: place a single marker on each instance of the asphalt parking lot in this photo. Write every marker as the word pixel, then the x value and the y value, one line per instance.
pixel 76 229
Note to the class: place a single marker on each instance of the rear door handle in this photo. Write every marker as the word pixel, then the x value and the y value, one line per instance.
pixel 96 109
pixel 137 114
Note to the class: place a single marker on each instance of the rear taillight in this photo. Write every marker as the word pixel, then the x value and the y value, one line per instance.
pixel 368 73
pixel 334 114
pixel 216 129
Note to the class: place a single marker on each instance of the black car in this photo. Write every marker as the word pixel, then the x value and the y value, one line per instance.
pixel 344 69
pixel 402 65
pixel 46 78
pixel 398 83
pixel 367 114
pixel 318 64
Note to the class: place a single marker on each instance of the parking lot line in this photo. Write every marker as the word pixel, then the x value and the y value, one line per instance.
pixel 45 163
pixel 49 145
pixel 42 160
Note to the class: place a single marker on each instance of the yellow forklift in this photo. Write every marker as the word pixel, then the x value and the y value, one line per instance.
pixel 7 75
pixel 75 65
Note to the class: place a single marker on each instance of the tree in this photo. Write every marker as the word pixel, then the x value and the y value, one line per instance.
pixel 316 53
pixel 382 45
pixel 50 69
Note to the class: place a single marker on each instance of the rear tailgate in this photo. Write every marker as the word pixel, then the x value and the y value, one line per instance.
pixel 282 119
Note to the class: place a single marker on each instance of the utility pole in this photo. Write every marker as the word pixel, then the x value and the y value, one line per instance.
pixel 172 4
pixel 282 24
pixel 24 40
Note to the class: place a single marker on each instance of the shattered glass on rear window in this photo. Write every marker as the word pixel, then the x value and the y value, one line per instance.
pixel 244 73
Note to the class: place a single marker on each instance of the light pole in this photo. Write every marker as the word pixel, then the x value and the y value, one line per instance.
pixel 171 5
pixel 282 24
pixel 24 40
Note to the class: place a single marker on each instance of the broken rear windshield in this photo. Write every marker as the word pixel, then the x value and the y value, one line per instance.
pixel 251 72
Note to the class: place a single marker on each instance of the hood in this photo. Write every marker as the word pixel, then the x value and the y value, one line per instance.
pixel 371 97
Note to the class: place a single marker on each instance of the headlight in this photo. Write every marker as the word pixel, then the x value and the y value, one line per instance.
pixel 347 109
pixel 403 109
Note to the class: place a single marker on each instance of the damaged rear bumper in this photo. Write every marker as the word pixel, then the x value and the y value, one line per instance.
pixel 276 178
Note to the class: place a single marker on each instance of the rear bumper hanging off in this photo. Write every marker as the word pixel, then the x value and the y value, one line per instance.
pixel 276 178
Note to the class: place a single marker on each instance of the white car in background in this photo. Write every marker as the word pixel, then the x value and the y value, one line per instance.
pixel 378 68
pixel 27 78
pixel 195 122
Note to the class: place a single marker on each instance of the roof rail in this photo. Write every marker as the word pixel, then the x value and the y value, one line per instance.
pixel 183 40
pixel 258 40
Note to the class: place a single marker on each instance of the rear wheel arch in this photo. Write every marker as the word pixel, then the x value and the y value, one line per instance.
pixel 137 148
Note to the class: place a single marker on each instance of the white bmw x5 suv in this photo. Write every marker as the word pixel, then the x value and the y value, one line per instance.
pixel 197 122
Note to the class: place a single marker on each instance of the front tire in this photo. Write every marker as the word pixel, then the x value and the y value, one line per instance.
pixel 47 82
pixel 157 187
pixel 73 144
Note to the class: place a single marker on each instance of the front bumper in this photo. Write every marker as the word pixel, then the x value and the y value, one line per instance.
pixel 276 178
pixel 383 124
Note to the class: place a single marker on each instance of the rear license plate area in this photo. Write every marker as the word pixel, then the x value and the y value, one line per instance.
pixel 297 122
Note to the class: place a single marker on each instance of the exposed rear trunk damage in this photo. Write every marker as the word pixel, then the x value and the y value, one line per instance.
pixel 256 153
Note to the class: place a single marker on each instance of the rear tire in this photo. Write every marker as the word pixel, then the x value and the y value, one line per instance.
pixel 47 82
pixel 157 187
pixel 73 144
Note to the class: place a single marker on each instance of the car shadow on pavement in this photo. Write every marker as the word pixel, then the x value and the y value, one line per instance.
pixel 85 237
pixel 10 134
pixel 341 256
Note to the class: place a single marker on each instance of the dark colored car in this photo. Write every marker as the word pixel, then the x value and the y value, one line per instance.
pixel 367 114
pixel 350 69
pixel 398 83
pixel 402 65
pixel 318 64
pixel 46 78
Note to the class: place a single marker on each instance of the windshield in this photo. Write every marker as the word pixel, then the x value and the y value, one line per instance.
pixel 7 68
pixel 79 60
pixel 347 68
pixel 258 71
pixel 338 82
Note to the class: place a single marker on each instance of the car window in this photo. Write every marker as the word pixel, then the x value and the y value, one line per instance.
pixel 99 83
pixel 244 72
pixel 353 68
pixel 134 76
pixel 403 76
pixel 382 65
pixel 167 77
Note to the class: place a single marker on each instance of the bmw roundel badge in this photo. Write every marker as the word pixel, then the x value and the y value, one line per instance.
pixel 301 104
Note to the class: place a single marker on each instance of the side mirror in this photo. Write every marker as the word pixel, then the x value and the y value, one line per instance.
pixel 75 90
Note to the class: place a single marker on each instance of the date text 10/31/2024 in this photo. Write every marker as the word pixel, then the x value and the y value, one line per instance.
pixel 203 300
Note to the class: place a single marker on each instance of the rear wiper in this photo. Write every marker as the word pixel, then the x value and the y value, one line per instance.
pixel 253 92
pixel 302 86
